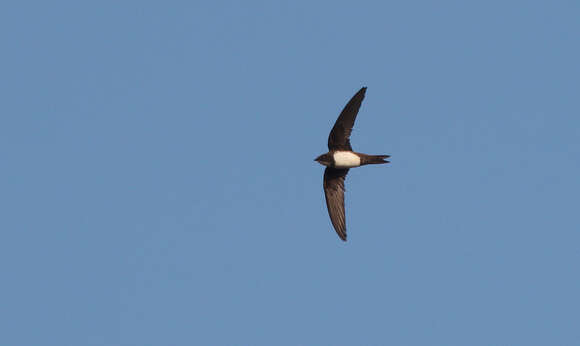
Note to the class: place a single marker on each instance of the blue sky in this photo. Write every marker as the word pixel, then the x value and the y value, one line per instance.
pixel 158 183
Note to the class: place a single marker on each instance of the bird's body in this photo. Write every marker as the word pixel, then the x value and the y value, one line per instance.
pixel 339 159
pixel 345 159
pixel 349 159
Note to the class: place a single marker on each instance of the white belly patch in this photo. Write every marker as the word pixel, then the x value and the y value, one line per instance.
pixel 346 159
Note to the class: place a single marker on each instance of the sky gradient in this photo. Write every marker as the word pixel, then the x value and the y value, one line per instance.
pixel 158 184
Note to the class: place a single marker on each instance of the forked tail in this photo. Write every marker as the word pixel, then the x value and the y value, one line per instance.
pixel 373 159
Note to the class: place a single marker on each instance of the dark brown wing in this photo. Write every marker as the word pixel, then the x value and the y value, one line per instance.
pixel 334 193
pixel 340 133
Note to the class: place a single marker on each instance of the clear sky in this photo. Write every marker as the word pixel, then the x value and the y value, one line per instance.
pixel 158 184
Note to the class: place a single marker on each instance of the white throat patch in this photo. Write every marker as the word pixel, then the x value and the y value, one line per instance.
pixel 346 159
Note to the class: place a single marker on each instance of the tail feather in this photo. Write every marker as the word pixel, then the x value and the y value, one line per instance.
pixel 374 159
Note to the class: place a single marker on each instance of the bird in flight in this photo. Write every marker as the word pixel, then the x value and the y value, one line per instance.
pixel 339 159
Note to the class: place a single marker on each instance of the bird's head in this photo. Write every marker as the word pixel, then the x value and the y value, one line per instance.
pixel 324 159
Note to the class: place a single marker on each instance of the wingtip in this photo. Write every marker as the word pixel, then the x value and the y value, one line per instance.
pixel 361 93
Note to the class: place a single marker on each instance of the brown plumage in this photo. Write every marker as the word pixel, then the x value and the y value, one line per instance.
pixel 334 194
pixel 339 159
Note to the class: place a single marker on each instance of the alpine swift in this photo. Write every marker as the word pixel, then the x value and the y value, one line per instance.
pixel 339 159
